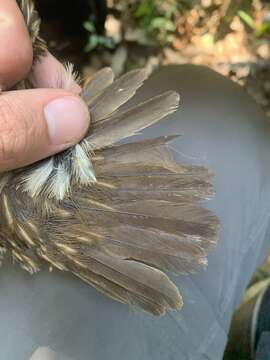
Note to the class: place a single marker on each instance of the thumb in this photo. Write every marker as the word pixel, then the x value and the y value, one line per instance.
pixel 35 124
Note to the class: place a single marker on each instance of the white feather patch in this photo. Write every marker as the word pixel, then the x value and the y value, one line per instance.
pixel 35 181
pixel 2 251
pixel 70 79
pixel 60 185
pixel 82 167
pixel 4 180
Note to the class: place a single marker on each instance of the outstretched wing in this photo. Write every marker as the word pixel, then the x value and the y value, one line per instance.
pixel 116 216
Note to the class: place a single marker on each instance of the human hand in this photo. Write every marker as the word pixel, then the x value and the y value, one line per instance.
pixel 34 124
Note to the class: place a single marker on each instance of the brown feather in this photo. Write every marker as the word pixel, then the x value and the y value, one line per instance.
pixel 118 93
pixel 128 123
pixel 116 218
pixel 96 85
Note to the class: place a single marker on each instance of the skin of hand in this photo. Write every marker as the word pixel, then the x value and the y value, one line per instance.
pixel 34 124
pixel 45 353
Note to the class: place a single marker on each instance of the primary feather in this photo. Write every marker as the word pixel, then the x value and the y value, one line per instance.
pixel 116 216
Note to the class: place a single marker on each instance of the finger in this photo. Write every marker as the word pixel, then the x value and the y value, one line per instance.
pixel 37 123
pixel 16 54
pixel 48 72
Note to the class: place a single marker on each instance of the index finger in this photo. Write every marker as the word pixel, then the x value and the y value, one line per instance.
pixel 16 53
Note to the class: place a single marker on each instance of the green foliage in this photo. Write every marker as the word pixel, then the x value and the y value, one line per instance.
pixel 95 40
pixel 259 30
pixel 155 22
pixel 234 6
pixel 247 19
pixel 157 19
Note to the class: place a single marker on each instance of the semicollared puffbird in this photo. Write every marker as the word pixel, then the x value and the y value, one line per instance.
pixel 116 216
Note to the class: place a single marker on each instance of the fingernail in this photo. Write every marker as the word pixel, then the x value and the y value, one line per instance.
pixel 67 119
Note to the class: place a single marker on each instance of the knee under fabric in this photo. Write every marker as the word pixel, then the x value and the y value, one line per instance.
pixel 222 129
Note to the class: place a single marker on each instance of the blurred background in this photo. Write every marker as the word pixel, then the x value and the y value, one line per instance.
pixel 230 36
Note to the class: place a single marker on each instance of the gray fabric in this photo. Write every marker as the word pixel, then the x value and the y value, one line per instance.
pixel 263 351
pixel 223 129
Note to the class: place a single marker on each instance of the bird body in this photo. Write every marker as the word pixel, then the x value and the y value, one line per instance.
pixel 118 216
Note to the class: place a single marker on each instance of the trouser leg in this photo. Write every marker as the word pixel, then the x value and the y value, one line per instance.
pixel 223 129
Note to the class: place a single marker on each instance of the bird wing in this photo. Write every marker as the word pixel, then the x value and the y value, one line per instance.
pixel 118 216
